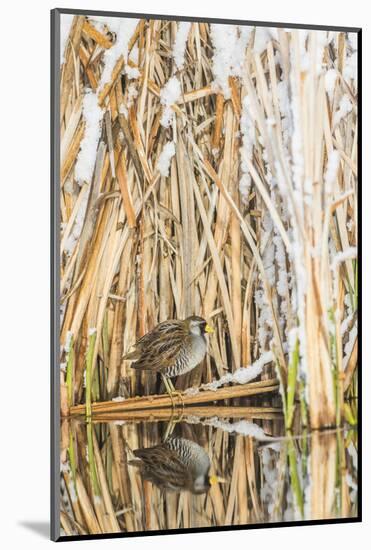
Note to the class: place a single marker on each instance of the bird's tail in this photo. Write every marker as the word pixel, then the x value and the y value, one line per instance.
pixel 132 356
pixel 135 462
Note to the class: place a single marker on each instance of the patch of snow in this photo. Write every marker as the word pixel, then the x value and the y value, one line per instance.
pixel 132 72
pixel 93 115
pixel 123 110
pixel 350 69
pixel 265 321
pixel 353 40
pixel 230 42
pixel 243 427
pixel 180 43
pixel 169 95
pixel 345 107
pixel 164 160
pixel 132 94
pixel 67 345
pixel 66 24
pixel 134 54
pixel 263 35
pixel 321 40
pixel 330 81
pixel 64 467
pixel 343 256
pixel 124 31
pixel 244 375
pixel 345 324
pixel 280 257
pixel 331 170
pixel 68 186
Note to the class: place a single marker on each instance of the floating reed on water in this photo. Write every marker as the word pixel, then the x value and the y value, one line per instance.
pixel 218 179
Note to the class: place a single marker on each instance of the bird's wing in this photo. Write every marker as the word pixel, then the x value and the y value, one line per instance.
pixel 163 467
pixel 164 329
pixel 161 347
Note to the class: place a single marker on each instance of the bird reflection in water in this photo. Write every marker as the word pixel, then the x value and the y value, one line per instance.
pixel 177 464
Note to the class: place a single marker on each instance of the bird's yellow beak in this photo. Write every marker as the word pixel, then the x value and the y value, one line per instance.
pixel 209 329
pixel 216 479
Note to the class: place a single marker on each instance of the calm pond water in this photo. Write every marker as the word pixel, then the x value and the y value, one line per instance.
pixel 130 476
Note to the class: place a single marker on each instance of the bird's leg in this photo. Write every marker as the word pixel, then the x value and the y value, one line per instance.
pixel 171 424
pixel 171 385
pixel 168 389
pixel 170 427
pixel 172 391
pixel 176 392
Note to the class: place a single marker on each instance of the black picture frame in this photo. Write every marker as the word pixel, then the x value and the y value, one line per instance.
pixel 55 280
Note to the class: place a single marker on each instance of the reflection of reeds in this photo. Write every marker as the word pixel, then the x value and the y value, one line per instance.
pixel 151 247
pixel 260 479
pixel 192 412
pixel 323 467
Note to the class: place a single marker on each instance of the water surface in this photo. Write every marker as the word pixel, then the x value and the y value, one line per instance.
pixel 268 477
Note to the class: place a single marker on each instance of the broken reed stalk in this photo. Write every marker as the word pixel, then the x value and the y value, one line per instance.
pixel 161 401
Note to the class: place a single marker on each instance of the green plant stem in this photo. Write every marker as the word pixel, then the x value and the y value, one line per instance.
pixel 89 369
pixel 291 386
pixel 294 476
pixel 72 457
pixel 69 373
pixel 92 469
pixel 303 405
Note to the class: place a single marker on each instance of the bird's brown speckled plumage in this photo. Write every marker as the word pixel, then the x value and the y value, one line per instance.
pixel 177 464
pixel 173 347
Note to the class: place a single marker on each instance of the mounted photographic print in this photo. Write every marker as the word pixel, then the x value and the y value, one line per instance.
pixel 205 281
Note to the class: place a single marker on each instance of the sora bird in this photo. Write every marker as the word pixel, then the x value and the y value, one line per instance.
pixel 172 348
pixel 177 464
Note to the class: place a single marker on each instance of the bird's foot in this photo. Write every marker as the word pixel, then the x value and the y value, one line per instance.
pixel 173 392
pixel 174 419
pixel 179 395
